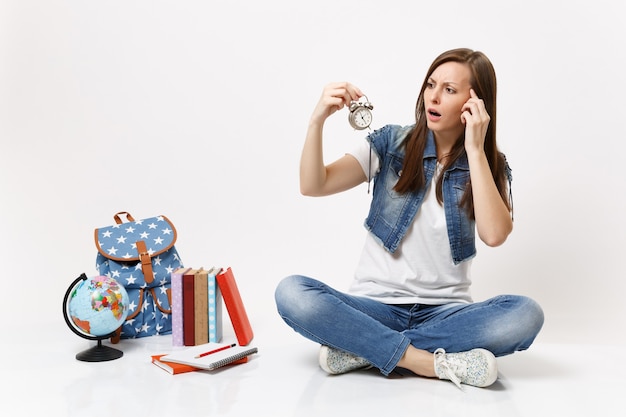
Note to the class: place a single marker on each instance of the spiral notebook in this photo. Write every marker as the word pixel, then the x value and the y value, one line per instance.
pixel 209 356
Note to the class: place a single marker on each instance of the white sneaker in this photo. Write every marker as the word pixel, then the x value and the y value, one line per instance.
pixel 335 361
pixel 477 367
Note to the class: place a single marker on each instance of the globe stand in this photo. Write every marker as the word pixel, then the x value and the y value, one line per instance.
pixel 98 353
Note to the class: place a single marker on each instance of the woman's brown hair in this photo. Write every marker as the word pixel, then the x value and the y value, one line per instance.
pixel 483 81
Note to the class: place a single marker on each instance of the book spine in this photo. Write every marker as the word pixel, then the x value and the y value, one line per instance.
pixel 215 310
pixel 177 308
pixel 234 306
pixel 201 309
pixel 189 337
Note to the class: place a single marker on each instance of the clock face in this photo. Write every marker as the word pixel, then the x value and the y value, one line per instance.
pixel 361 118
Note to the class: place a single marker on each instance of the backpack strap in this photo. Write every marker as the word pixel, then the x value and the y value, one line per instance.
pixel 118 220
pixel 146 262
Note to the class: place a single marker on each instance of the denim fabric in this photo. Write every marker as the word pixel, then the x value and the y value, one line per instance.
pixel 381 333
pixel 391 213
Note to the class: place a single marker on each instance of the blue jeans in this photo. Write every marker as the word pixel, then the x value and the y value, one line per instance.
pixel 381 333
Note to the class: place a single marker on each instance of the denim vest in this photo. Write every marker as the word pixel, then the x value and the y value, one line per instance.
pixel 391 213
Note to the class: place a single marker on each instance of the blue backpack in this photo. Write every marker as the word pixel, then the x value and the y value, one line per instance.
pixel 141 256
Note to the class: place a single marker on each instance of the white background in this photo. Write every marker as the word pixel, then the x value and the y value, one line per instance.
pixel 198 110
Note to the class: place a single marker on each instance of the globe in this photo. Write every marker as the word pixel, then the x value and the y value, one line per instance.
pixel 94 308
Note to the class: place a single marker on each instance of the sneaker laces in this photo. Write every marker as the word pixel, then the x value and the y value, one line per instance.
pixel 445 368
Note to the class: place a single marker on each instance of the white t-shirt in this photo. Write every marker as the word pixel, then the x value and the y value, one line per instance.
pixel 421 270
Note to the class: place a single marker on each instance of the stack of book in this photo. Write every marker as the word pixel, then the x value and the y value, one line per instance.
pixel 197 321
pixel 197 296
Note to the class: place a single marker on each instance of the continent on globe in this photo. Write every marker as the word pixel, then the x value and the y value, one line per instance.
pixel 82 324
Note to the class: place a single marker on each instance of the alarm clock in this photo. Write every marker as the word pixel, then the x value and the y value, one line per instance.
pixel 360 116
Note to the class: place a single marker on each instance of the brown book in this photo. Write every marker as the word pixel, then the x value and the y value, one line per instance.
pixel 201 307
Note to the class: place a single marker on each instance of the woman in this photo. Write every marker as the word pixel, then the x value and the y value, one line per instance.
pixel 436 183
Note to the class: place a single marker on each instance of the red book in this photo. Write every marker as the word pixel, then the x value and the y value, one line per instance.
pixel 234 306
pixel 172 368
pixel 189 326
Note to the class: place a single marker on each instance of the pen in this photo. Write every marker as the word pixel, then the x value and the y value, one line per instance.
pixel 215 350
